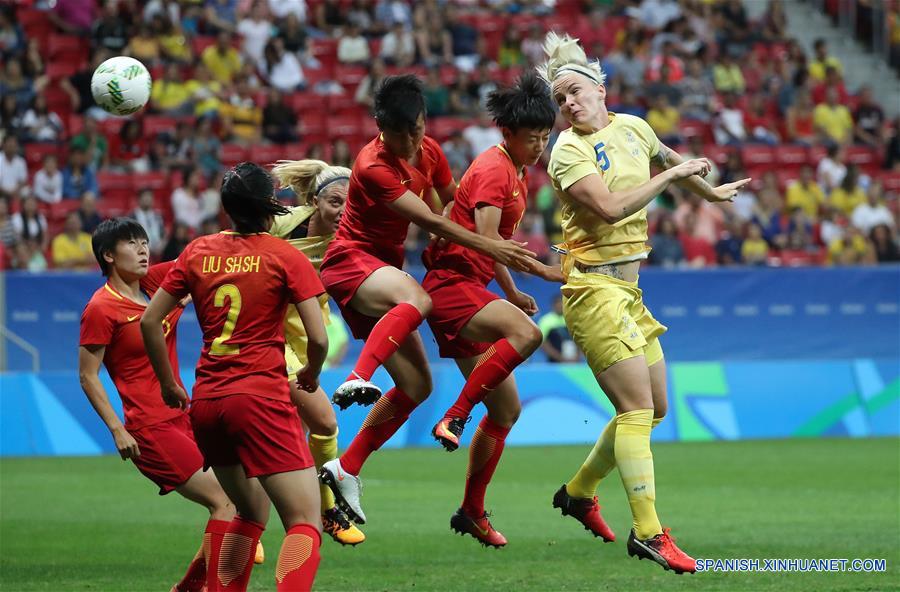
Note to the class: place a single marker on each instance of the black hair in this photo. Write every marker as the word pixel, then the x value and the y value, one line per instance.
pixel 399 102
pixel 109 233
pixel 248 196
pixel 525 105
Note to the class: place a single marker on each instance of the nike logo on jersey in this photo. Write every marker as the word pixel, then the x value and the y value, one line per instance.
pixel 131 318
pixel 406 182
pixel 516 193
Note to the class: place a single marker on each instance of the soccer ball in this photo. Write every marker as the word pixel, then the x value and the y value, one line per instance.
pixel 121 85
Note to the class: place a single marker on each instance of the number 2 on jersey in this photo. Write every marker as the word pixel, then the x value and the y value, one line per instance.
pixel 219 346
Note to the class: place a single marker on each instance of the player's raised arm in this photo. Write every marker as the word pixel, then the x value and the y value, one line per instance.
pixel 667 159
pixel 90 358
pixel 161 305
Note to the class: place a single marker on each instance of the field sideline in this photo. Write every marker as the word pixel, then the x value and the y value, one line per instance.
pixel 95 524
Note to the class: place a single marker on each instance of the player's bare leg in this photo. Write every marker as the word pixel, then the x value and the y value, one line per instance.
pixel 318 416
pixel 514 337
pixel 394 297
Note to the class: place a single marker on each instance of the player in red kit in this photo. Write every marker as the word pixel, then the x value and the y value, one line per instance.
pixel 157 438
pixel 242 282
pixel 487 335
pixel 391 185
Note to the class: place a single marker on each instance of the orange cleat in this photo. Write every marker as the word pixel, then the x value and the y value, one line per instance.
pixel 480 528
pixel 663 550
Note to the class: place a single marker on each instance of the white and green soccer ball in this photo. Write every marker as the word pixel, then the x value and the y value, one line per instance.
pixel 121 85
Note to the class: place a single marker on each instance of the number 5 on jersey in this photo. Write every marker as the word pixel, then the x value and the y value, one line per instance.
pixel 220 345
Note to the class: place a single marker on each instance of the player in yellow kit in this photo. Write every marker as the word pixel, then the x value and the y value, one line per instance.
pixel 600 170
pixel 309 228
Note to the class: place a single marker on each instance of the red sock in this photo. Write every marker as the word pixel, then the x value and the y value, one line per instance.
pixel 195 577
pixel 298 559
pixel 236 557
pixel 492 368
pixel 484 454
pixel 383 421
pixel 385 339
pixel 212 548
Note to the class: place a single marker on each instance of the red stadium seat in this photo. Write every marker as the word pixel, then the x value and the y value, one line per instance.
pixel 264 155
pixel 158 124
pixel 816 154
pixel 866 158
pixel 755 156
pixel 35 153
pixel 442 128
pixel 891 181
pixel 231 154
pixel 201 42
pixel 34 22
pixel 313 127
pixel 344 126
pixel 111 126
pixel 66 45
pixel 343 105
pixel 791 156
pixel 718 154
pixel 316 75
pixel 59 69
pixel 369 128
pixel 695 128
pixel 302 102
pixel 114 181
pixel 349 76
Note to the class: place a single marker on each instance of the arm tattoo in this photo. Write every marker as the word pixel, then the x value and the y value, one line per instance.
pixel 662 157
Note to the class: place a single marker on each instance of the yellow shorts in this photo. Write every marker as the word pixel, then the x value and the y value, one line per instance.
pixel 608 320
pixel 295 340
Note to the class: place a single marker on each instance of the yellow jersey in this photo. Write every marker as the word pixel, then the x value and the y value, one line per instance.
pixel 620 153
pixel 313 247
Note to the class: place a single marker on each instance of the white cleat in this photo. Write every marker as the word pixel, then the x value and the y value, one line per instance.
pixel 359 391
pixel 347 489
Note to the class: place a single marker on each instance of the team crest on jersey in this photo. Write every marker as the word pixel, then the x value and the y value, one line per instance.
pixel 629 327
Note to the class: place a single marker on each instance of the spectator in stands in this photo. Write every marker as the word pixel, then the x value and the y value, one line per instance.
pixel 93 143
pixel 437 97
pixel 805 194
pixel 330 18
pixel 558 344
pixel 71 249
pixel 465 42
pixel 698 249
pixel 365 91
pixel 435 48
pixel 629 104
pixel 360 13
pixel 205 148
pixel 832 223
pixel 398 47
pixel 728 125
pixel 484 82
pixel 294 36
pixel 87 213
pixel 210 226
pixel 626 61
pixel 848 194
pixel 48 181
pixel 773 24
pixel 754 250
pixel 533 46
pixel 144 46
pixel 10 117
pixel 33 64
pixel 509 54
pixel 8 235
pixel 353 47
pixel 831 170
pixel 667 250
pixel 767 215
pixel 279 120
pixel 822 60
pixel 281 9
pixel 110 31
pixel 852 249
pixel 78 177
pixel 151 220
pixel 743 202
pixel 760 123
pixel 695 150
pixel 730 243
pixel 482 134
pixel 192 203
pixel 241 116
pixel 220 15
pixel 892 149
pixel 255 30
pixel 14 82
pixel 869 118
pixel 341 154
pixel 884 243
pixel 388 12
pixel 178 240
pixel 833 81
pixel 30 224
pixel 78 87
pixel 12 40
pixel 13 170
pixel 458 153
pixel 727 75
pixel 176 47
pixel 207 93
pixel 664 85
pixel 223 60
pixel 39 124
pixel 833 121
pixel 74 17
pixel 698 218
pixel 28 256
pixel 531 232
pixel 129 150
pixel 281 68
pixel 463 97
pixel 873 211
pixel 800 126
pixel 664 119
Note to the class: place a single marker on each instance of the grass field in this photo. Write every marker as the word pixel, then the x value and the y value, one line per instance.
pixel 96 524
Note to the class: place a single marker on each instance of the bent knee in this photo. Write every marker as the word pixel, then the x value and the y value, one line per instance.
pixel 422 301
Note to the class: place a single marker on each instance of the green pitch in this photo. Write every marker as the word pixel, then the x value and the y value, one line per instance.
pixel 96 524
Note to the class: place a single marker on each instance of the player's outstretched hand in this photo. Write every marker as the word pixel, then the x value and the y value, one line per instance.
pixel 512 254
pixel 727 191
pixel 689 168
pixel 525 302
pixel 308 379
pixel 175 397
pixel 125 443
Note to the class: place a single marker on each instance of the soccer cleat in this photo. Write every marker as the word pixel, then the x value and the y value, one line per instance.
pixel 336 525
pixel 448 431
pixel 586 511
pixel 260 556
pixel 662 549
pixel 359 391
pixel 480 528
pixel 347 489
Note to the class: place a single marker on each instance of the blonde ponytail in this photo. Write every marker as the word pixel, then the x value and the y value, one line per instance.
pixel 307 177
pixel 565 55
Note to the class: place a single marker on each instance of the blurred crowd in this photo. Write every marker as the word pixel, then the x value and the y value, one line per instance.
pixel 268 79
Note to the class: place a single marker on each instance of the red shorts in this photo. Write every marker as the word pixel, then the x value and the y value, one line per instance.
pixel 169 454
pixel 263 435
pixel 454 301
pixel 343 272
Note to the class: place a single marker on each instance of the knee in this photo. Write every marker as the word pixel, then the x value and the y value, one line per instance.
pixel 507 416
pixel 221 508
pixel 325 426
pixel 421 300
pixel 526 338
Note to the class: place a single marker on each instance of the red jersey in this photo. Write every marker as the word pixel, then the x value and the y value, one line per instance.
pixel 492 180
pixel 112 320
pixel 379 178
pixel 241 285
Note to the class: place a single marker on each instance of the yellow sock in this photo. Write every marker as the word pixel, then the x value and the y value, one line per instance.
pixel 598 463
pixel 324 449
pixel 635 462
